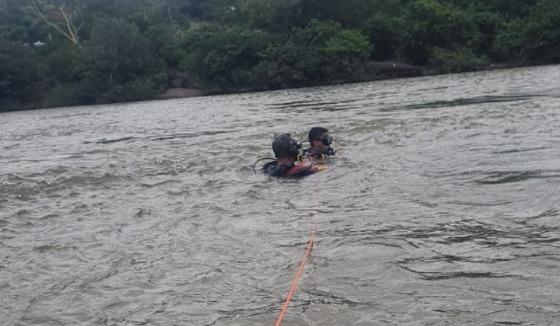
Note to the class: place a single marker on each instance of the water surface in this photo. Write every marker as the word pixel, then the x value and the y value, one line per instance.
pixel 442 208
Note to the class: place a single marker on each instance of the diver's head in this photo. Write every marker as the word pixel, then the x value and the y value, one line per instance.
pixel 319 138
pixel 284 146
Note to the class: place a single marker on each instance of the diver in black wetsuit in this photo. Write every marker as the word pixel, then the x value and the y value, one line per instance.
pixel 287 150
pixel 321 144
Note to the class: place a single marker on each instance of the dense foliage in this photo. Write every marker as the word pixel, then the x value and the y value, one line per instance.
pixel 71 52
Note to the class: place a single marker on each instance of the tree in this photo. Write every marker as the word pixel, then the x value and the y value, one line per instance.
pixel 542 36
pixel 511 8
pixel 509 42
pixel 431 24
pixel 18 62
pixel 121 62
pixel 222 56
pixel 319 53
pixel 349 13
pixel 277 16
pixel 60 15
pixel 18 77
pixel 384 31
pixel 97 51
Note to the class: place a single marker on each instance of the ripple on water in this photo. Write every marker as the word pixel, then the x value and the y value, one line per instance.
pixel 501 177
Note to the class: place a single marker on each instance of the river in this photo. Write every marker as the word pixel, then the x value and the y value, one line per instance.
pixel 442 208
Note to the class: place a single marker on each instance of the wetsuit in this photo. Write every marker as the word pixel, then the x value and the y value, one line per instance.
pixel 317 154
pixel 293 170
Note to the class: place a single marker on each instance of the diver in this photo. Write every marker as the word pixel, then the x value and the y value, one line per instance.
pixel 321 144
pixel 287 164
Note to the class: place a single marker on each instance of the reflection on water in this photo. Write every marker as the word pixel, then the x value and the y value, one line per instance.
pixel 441 209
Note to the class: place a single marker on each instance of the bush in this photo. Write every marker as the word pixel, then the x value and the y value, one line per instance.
pixel 431 24
pixel 217 54
pixel 70 94
pixel 120 59
pixel 458 60
pixel 384 31
pixel 318 53
pixel 18 75
pixel 542 36
pixel 136 90
pixel 509 44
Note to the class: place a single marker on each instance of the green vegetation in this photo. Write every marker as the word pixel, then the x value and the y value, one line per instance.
pixel 80 52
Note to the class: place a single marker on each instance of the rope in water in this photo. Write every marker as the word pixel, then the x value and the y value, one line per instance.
pixel 295 281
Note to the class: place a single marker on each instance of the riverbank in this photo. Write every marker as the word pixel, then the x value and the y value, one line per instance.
pixel 378 70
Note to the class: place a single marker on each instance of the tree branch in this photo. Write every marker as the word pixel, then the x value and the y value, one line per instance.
pixel 70 26
pixel 70 34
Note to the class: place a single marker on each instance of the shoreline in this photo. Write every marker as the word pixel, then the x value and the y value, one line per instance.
pixel 385 70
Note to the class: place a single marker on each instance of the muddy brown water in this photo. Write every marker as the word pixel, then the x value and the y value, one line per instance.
pixel 442 208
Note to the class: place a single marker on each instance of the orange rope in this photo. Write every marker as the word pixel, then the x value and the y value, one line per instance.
pixel 295 281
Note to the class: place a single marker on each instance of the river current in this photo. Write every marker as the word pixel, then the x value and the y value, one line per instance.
pixel 442 208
